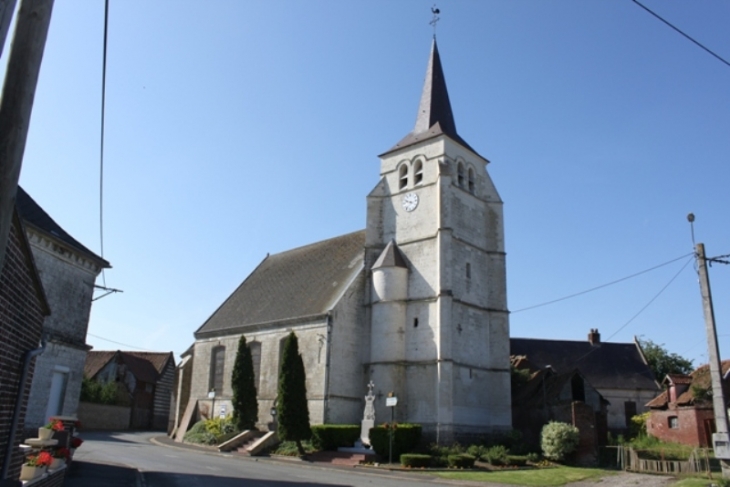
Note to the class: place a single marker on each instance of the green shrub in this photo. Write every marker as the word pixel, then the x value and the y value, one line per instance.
pixel 559 440
pixel 461 460
pixel 405 439
pixel 496 455
pixel 533 457
pixel 517 460
pixel 637 426
pixel 477 451
pixel 211 431
pixel 333 436
pixel 289 448
pixel 415 460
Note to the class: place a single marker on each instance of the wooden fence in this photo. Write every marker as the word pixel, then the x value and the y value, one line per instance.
pixel 629 459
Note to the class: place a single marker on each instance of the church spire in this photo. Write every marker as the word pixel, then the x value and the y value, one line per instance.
pixel 435 106
pixel 434 112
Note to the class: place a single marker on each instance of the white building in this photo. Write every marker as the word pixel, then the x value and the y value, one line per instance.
pixel 416 302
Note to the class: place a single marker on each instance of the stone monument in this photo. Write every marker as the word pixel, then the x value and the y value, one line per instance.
pixel 368 419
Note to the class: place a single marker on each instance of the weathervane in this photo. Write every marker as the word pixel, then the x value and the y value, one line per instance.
pixel 435 11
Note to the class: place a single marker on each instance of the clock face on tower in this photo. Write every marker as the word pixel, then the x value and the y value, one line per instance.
pixel 410 201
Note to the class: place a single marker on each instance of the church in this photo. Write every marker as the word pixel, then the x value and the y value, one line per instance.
pixel 416 302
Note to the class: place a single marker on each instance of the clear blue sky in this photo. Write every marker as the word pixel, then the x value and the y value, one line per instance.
pixel 240 128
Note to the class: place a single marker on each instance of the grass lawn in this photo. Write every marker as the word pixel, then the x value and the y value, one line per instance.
pixel 535 477
pixel 695 482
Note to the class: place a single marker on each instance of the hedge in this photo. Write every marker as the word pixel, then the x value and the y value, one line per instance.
pixel 415 460
pixel 461 461
pixel 333 436
pixel 406 438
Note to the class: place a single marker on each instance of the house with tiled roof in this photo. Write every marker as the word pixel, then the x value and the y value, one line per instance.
pixel 683 412
pixel 148 378
pixel 415 303
pixel 618 371
pixel 68 271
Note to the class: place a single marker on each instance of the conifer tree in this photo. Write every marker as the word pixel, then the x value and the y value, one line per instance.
pixel 292 410
pixel 245 403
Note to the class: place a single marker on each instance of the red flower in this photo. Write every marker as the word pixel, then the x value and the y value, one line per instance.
pixel 43 459
pixel 76 442
pixel 61 453
pixel 55 425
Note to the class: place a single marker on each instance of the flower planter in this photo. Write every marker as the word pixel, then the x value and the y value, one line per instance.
pixel 57 463
pixel 45 433
pixel 29 473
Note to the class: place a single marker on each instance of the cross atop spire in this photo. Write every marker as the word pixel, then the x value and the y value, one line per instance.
pixel 434 112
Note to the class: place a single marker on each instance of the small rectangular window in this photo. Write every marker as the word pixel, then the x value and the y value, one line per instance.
pixel 673 422
pixel 468 270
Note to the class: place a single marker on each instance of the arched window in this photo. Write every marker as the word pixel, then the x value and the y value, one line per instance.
pixel 471 180
pixel 255 348
pixel 403 176
pixel 460 175
pixel 418 172
pixel 217 363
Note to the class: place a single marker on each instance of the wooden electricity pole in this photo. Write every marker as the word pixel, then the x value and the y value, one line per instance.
pixel 6 15
pixel 21 78
pixel 720 439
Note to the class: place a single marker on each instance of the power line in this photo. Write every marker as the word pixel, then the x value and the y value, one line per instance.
pixel 640 311
pixel 603 285
pixel 678 30
pixel 101 153
pixel 119 343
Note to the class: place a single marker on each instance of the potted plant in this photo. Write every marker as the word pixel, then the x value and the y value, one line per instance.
pixel 75 443
pixel 60 456
pixel 45 432
pixel 35 465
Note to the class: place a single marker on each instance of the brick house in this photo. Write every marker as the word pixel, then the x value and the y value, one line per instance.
pixel 618 371
pixel 683 413
pixel 68 271
pixel 541 395
pixel 148 378
pixel 23 306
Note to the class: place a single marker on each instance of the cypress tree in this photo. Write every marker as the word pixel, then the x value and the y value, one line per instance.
pixel 245 404
pixel 292 410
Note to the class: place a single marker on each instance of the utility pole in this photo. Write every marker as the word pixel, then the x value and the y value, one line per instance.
pixel 6 15
pixel 16 105
pixel 720 439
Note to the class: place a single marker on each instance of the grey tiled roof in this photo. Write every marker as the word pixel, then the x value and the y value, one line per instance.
pixel 35 216
pixel 297 283
pixel 606 366
pixel 390 257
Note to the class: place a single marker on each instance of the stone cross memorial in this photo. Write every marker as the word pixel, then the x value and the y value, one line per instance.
pixel 368 419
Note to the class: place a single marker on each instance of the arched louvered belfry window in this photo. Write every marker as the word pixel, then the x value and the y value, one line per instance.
pixel 403 176
pixel 418 172
pixel 460 175
pixel 470 180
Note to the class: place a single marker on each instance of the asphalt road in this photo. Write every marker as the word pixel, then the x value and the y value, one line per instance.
pixel 132 460
pixel 113 459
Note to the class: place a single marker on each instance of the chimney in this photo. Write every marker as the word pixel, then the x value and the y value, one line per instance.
pixel 594 338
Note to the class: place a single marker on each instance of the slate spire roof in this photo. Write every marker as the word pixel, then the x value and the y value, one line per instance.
pixel 435 116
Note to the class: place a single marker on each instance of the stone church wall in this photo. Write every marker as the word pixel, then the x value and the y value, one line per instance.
pixel 311 337
pixel 348 349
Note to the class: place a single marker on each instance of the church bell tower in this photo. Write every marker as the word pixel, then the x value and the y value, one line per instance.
pixel 439 325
